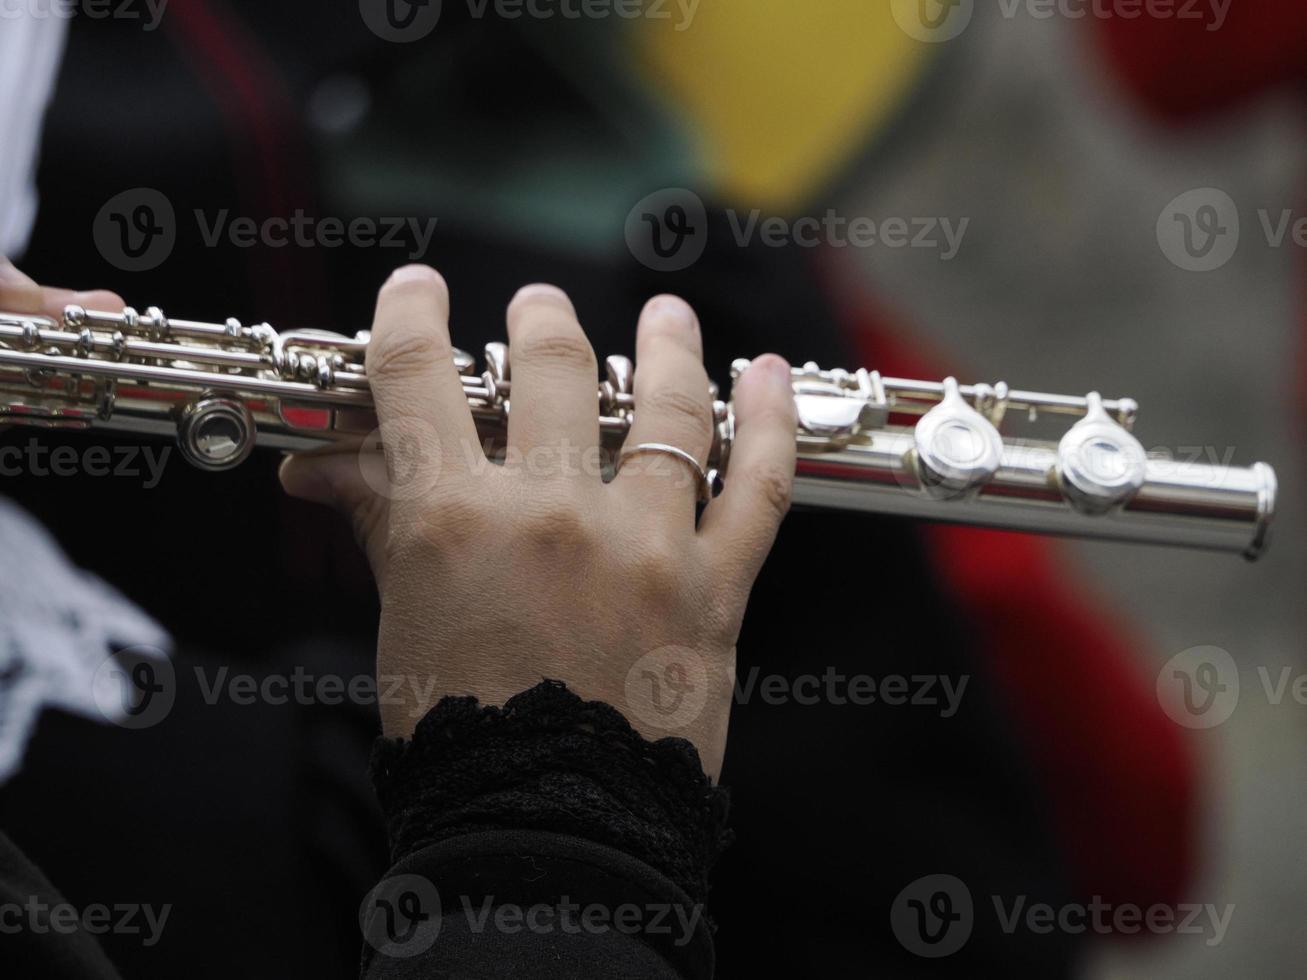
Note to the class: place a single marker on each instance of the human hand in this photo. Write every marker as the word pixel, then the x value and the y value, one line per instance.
pixel 494 577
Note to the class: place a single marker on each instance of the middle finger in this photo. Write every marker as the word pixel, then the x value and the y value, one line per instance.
pixel 554 395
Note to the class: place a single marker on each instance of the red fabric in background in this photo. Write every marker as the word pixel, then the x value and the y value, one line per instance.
pixel 1120 777
pixel 1180 66
pixel 1178 71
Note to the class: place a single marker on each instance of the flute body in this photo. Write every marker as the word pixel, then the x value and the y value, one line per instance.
pixel 929 450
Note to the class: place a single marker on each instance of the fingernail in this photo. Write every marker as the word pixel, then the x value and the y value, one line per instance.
pixel 413 273
pixel 776 368
pixel 541 290
pixel 674 310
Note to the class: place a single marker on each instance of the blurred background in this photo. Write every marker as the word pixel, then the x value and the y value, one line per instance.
pixel 1047 151
pixel 1065 171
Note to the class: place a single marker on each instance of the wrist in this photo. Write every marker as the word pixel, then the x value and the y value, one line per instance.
pixel 549 761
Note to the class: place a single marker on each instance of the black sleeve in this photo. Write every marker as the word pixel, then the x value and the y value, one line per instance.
pixel 41 930
pixel 543 839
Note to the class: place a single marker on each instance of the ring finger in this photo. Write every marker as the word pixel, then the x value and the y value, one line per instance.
pixel 673 406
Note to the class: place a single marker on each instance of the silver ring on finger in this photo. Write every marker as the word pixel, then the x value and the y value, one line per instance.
pixel 703 483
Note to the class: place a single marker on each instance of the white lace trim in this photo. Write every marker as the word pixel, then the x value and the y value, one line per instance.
pixel 58 627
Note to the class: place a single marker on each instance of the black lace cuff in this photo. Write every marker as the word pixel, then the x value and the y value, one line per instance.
pixel 549 761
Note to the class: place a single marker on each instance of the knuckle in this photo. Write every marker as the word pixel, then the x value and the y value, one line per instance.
pixel 400 354
pixel 556 523
pixel 772 487
pixel 682 407
pixel 557 342
pixel 659 572
pixel 438 526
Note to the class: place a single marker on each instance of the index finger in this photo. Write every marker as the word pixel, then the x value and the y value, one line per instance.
pixel 410 362
pixel 19 293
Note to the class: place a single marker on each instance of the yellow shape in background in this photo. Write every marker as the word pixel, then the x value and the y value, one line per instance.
pixel 782 93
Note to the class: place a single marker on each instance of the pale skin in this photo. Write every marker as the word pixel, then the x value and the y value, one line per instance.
pixel 494 577
pixel 19 294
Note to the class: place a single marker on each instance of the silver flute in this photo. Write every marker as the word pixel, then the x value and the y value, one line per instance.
pixel 923 449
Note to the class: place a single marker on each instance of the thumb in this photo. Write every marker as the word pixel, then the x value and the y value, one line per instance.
pixel 336 480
